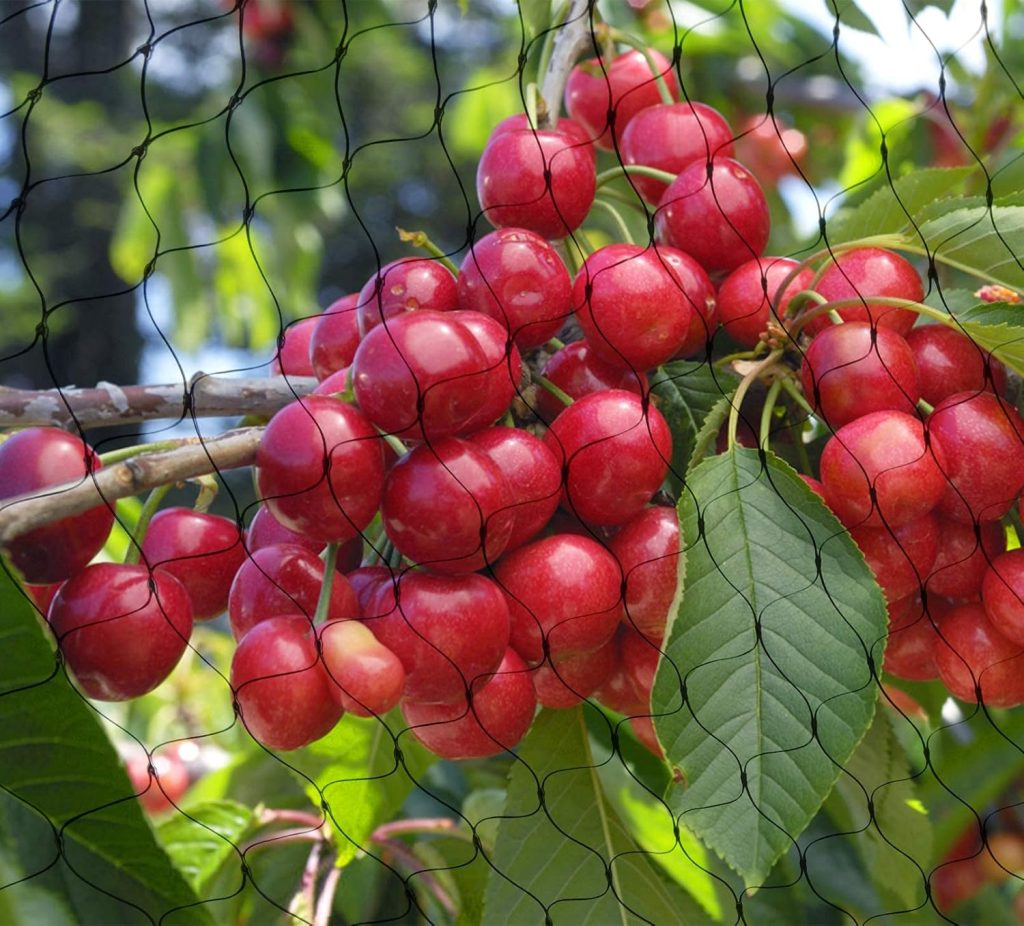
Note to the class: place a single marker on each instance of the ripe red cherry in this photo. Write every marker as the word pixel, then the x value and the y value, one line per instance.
pixel 292 357
pixel 160 784
pixel 614 449
pixel 335 337
pixel 1002 593
pixel 973 654
pixel 365 581
pixel 722 222
pixel 619 692
pixel 910 651
pixel 746 296
pixel 643 730
pixel 543 181
pixel 901 558
pixel 563 682
pixel 447 631
pixel 852 369
pixel 284 579
pixel 499 381
pixel 33 460
pixel 647 549
pixel 983 438
pixel 625 86
pixel 495 718
pixel 948 362
pixel 368 679
pixel 965 551
pixel 631 306
pixel 533 475
pixel 410 375
pixel 409 284
pixel 578 371
pixel 265 531
pixel 864 273
pixel 671 136
pixel 320 468
pixel 281 687
pixel 565 591
pixel 203 551
pixel 520 122
pixel 448 507
pixel 699 291
pixel 885 454
pixel 121 629
pixel 770 148
pixel 517 278
pixel 42 595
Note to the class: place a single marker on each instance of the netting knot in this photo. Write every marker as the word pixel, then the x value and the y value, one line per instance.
pixel 145 49
pixel 34 94
pixel 139 151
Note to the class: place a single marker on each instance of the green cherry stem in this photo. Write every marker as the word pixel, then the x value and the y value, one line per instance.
pixel 924 406
pixel 625 38
pixel 796 394
pixel 420 239
pixel 549 386
pixel 149 508
pixel 554 344
pixel 752 376
pixel 764 432
pixel 323 603
pixel 637 170
pixel 208 489
pixel 623 229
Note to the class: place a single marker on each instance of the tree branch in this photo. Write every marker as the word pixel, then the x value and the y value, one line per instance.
pixel 572 40
pixel 196 456
pixel 106 405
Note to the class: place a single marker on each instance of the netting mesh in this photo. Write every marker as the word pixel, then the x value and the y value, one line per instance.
pixel 220 203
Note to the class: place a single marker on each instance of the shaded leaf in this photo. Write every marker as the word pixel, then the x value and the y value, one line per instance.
pixel 986 243
pixel 202 840
pixel 765 688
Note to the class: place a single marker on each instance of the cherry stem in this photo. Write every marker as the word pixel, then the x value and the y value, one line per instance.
pixel 627 199
pixel 625 38
pixel 149 508
pixel 834 317
pixel 208 489
pixel 796 394
pixel 420 239
pixel 410 860
pixel 325 903
pixel 546 384
pixel 414 825
pixel 925 406
pixel 266 816
pixel 638 170
pixel 771 398
pixel 395 443
pixel 282 837
pixel 309 876
pixel 323 603
pixel 741 391
pixel 555 344
pixel 624 233
pixel 532 105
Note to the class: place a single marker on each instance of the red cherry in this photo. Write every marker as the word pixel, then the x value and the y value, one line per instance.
pixel 284 579
pixel 265 531
pixel 624 86
pixel 901 558
pixel 647 549
pixel 578 371
pixel 281 687
pixel 619 693
pixel 292 357
pixel 671 136
pixel 965 551
pixel 699 291
pixel 643 730
pixel 121 628
pixel 864 273
pixel 852 369
pixel 203 551
pixel 746 296
pixel 770 148
pixel 533 475
pixel 517 278
pixel 543 181
pixel 499 380
pixel 640 657
pixel 910 651
pixel 520 121
pixel 973 654
pixel 948 362
pixel 368 679
pixel 495 718
pixel 335 337
pixel 722 222
pixel 563 682
pixel 880 469
pixel 410 375
pixel 448 631
pixel 564 590
pixel 614 449
pixel 1002 593
pixel 33 460
pixel 365 581
pixel 161 783
pixel 42 595
pixel 408 284
pixel 631 306
pixel 448 507
pixel 320 468
pixel 983 439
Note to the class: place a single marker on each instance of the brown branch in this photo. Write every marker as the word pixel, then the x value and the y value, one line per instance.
pixel 572 41
pixel 105 404
pixel 194 457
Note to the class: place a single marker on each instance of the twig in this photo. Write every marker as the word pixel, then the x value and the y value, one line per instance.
pixel 106 405
pixel 410 860
pixel 325 904
pixel 572 39
pixel 195 457
pixel 413 825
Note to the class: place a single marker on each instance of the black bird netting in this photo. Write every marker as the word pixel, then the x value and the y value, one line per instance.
pixel 475 462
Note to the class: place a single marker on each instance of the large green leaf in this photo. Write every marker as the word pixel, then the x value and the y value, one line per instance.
pixel 766 688
pixel 688 391
pixel 562 851
pixel 70 820
pixel 202 840
pixel 996 326
pixel 363 774
pixel 987 243
pixel 877 806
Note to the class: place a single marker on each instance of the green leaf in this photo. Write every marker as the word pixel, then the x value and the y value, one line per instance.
pixel 886 211
pixel 690 394
pixel 853 17
pixel 536 15
pixel 363 774
pixel 765 688
pixel 200 842
pixel 563 851
pixel 986 243
pixel 876 801
pixel 70 809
